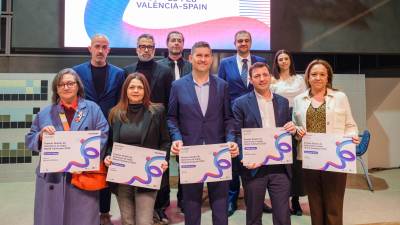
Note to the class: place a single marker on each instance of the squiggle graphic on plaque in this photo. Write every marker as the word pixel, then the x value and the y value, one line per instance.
pixel 87 153
pixel 344 155
pixel 282 148
pixel 220 164
pixel 151 171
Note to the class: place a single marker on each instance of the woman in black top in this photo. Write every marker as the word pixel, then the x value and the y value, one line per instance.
pixel 137 121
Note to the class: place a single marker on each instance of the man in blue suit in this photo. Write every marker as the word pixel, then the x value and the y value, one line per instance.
pixel 262 109
pixel 235 71
pixel 102 82
pixel 199 113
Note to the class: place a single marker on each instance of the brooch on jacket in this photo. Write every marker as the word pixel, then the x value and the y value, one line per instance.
pixel 79 117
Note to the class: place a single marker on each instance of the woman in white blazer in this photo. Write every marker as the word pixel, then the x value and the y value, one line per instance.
pixel 323 109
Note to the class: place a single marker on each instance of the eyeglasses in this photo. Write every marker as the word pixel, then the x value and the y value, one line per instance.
pixel 68 84
pixel 144 47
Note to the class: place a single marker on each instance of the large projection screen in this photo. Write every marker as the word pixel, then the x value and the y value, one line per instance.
pixel 214 21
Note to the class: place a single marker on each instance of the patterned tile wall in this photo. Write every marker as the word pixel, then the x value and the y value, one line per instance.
pixel 21 98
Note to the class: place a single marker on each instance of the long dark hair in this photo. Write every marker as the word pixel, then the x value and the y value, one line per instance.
pixel 275 67
pixel 119 111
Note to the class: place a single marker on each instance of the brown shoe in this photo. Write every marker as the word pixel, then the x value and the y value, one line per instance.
pixel 105 219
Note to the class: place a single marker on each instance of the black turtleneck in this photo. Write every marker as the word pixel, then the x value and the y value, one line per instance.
pixel 99 77
pixel 131 132
pixel 146 68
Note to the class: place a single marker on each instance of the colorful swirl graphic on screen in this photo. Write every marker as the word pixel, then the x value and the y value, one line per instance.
pixel 151 171
pixel 122 21
pixel 87 153
pixel 220 164
pixel 282 147
pixel 343 154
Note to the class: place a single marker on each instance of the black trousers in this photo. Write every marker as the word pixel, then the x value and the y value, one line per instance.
pixel 105 200
pixel 163 199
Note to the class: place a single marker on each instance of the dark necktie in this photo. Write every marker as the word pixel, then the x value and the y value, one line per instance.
pixel 243 74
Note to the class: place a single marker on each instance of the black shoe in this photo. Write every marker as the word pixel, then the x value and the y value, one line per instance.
pixel 160 216
pixel 296 208
pixel 267 209
pixel 231 209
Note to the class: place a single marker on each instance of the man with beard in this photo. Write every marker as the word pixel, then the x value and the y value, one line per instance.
pixel 102 83
pixel 160 78
pixel 235 71
pixel 175 60
pixel 179 67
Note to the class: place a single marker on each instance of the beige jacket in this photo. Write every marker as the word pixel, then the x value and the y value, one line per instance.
pixel 339 119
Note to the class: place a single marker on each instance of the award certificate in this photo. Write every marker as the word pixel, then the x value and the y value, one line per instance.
pixel 205 163
pixel 329 152
pixel 136 166
pixel 70 151
pixel 268 146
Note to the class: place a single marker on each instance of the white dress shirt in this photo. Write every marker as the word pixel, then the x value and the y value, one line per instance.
pixel 266 110
pixel 289 88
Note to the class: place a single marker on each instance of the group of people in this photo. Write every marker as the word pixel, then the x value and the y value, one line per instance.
pixel 174 102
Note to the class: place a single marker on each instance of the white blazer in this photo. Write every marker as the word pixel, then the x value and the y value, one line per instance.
pixel 339 119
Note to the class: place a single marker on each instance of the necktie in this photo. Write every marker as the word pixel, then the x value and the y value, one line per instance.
pixel 243 74
pixel 177 75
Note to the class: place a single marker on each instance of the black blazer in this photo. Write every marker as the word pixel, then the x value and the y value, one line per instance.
pixel 160 85
pixel 154 134
pixel 185 66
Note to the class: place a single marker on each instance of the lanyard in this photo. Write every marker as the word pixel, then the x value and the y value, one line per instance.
pixel 64 121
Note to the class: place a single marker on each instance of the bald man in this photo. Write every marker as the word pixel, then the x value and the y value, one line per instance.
pixel 102 82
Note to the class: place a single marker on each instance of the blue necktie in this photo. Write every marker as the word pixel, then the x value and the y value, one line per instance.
pixel 243 74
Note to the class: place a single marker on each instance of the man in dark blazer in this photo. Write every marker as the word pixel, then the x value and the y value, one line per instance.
pixel 159 76
pixel 175 61
pixel 102 82
pixel 199 113
pixel 234 70
pixel 262 109
pixel 179 67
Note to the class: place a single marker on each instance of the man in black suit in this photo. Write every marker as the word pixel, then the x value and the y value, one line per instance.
pixel 160 78
pixel 179 66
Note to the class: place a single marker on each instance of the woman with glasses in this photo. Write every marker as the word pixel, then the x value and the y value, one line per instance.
pixel 135 120
pixel 57 201
pixel 287 84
